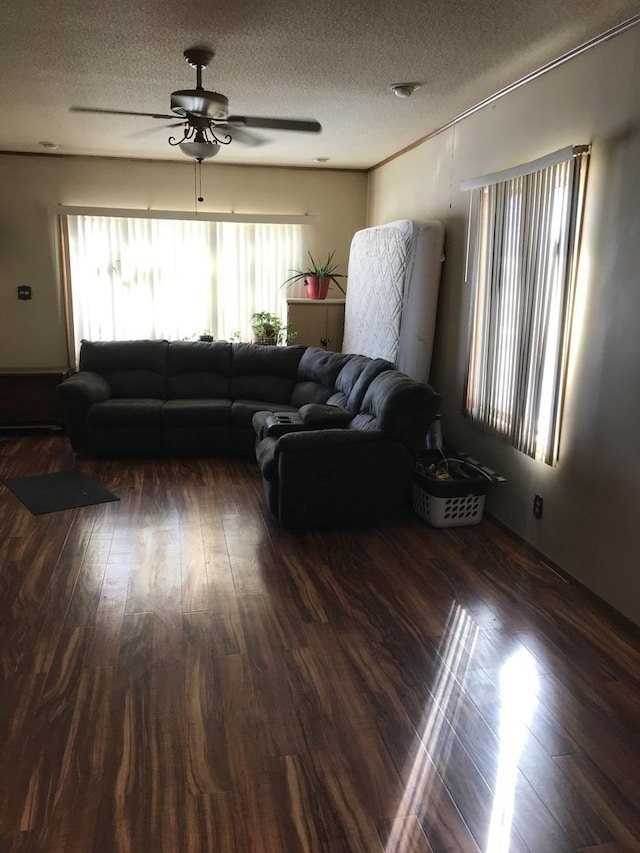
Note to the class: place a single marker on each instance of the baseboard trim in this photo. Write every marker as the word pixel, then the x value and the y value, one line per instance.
pixel 31 429
pixel 616 616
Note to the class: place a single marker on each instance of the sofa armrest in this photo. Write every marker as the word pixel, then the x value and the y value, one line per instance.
pixel 310 417
pixel 79 392
pixel 340 476
pixel 311 440
pixel 268 449
pixel 324 417
pixel 85 389
pixel 277 424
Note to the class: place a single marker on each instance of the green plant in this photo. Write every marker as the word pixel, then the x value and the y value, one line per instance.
pixel 269 329
pixel 206 336
pixel 325 270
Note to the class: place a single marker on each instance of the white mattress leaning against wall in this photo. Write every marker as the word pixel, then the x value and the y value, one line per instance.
pixel 392 294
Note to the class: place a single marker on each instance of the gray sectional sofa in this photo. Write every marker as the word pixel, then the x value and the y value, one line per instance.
pixel 341 449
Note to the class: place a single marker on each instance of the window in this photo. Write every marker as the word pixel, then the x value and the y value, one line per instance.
pixel 172 278
pixel 524 235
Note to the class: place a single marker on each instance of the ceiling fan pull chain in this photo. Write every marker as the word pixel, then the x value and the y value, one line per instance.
pixel 200 198
pixel 197 184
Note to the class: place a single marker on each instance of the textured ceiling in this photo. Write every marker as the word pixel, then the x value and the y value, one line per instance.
pixel 332 60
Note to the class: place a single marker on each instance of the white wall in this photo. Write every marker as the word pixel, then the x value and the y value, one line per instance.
pixel 32 334
pixel 591 521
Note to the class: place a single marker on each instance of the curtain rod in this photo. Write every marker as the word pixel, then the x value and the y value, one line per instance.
pixel 560 156
pixel 129 213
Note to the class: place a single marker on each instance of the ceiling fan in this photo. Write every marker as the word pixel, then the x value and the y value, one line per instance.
pixel 205 118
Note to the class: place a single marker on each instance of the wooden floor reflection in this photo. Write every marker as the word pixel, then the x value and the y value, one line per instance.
pixel 178 674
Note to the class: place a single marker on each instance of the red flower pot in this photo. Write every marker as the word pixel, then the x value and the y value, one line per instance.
pixel 317 287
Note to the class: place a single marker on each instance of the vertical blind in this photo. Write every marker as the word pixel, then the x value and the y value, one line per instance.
pixel 524 238
pixel 174 279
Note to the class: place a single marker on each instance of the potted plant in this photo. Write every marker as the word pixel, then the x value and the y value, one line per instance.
pixel 269 331
pixel 317 277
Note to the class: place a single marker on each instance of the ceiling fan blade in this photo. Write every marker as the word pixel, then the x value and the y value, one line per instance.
pixel 117 112
pixel 148 131
pixel 239 135
pixel 302 124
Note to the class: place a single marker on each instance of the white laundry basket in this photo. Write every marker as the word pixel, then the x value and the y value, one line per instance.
pixel 448 503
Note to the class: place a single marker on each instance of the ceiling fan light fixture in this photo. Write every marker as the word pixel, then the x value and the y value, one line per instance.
pixel 199 150
pixel 199 102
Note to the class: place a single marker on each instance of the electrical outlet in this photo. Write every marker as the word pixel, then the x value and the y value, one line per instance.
pixel 24 291
pixel 537 506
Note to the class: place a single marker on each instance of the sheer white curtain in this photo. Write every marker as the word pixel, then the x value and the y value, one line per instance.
pixel 169 278
pixel 254 259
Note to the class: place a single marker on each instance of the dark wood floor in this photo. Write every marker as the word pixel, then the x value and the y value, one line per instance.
pixel 179 674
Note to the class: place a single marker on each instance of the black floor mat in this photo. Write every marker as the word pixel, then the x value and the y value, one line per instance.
pixel 62 490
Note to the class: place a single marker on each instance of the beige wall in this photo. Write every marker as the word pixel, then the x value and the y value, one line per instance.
pixel 32 333
pixel 591 522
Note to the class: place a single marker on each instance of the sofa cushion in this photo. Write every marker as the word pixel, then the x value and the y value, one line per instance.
pixel 125 412
pixel 196 412
pixel 364 421
pixel 310 392
pixel 354 379
pixel 132 368
pixel 338 399
pixel 198 369
pixel 317 373
pixel 402 408
pixel 347 378
pixel 196 439
pixel 355 387
pixel 103 356
pixel 263 372
pixel 131 440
